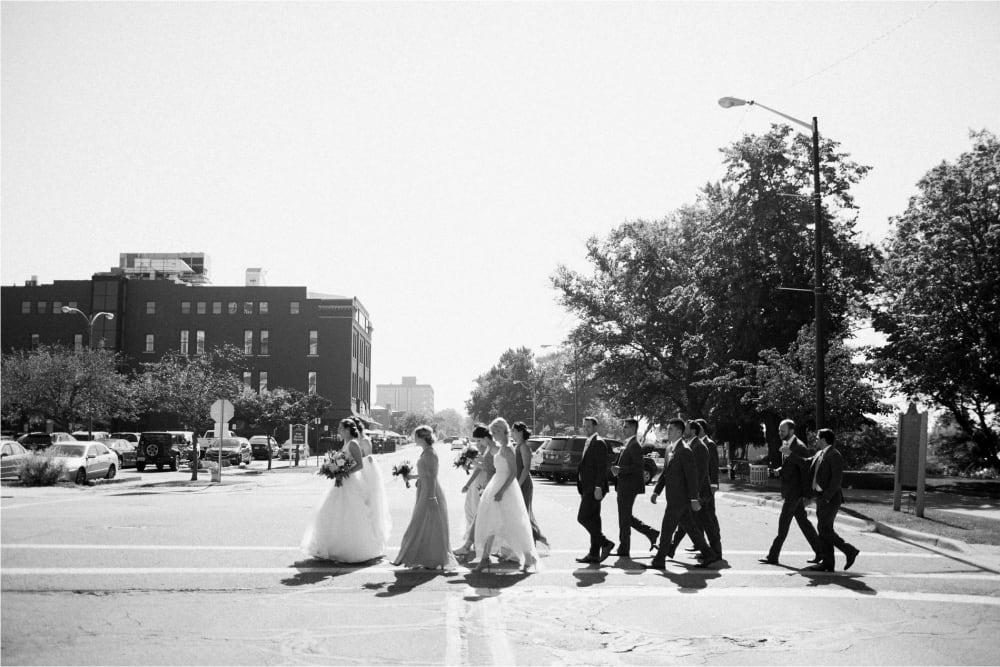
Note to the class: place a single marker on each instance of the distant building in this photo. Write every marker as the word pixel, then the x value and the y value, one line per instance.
pixel 292 338
pixel 406 397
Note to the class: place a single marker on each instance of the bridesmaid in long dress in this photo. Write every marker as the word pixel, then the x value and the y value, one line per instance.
pixel 520 434
pixel 482 471
pixel 425 542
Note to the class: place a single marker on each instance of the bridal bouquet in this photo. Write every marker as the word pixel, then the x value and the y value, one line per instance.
pixel 403 470
pixel 336 467
pixel 466 458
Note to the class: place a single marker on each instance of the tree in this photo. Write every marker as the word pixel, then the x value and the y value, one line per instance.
pixel 405 422
pixel 188 385
pixel 676 309
pixel 939 303
pixel 53 382
pixel 451 422
pixel 496 394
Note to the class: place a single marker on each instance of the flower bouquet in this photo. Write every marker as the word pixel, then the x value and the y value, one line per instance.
pixel 336 467
pixel 466 458
pixel 403 470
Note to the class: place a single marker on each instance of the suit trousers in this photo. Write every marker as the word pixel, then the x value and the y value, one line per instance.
pixel 680 514
pixel 793 508
pixel 589 517
pixel 627 522
pixel 708 523
pixel 828 538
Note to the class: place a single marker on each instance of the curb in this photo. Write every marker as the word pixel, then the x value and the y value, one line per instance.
pixel 879 527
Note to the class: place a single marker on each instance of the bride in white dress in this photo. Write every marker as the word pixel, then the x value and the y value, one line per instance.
pixel 502 522
pixel 351 523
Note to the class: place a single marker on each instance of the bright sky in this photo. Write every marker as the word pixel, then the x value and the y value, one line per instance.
pixel 438 160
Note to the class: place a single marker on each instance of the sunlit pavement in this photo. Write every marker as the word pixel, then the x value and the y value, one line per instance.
pixel 160 570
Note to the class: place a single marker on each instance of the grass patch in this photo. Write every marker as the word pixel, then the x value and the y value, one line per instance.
pixel 962 527
pixel 38 470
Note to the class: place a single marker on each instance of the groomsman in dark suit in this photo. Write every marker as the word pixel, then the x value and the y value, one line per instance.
pixel 592 483
pixel 707 518
pixel 701 459
pixel 826 473
pixel 795 481
pixel 683 488
pixel 630 483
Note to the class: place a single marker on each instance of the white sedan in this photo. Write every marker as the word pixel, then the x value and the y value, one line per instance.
pixel 84 461
pixel 11 456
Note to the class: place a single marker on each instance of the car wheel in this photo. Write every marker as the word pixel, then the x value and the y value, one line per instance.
pixel 111 472
pixel 139 467
pixel 81 476
pixel 173 463
pixel 647 477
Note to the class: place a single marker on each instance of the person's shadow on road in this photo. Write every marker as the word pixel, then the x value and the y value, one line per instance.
pixel 851 582
pixel 315 570
pixel 407 580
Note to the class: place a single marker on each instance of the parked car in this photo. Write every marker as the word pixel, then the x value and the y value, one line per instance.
pixel 84 461
pixel 537 451
pixel 158 448
pixel 561 456
pixel 260 444
pixel 235 451
pixel 91 436
pixel 131 436
pixel 457 443
pixel 124 449
pixel 39 440
pixel 12 453
pixel 288 451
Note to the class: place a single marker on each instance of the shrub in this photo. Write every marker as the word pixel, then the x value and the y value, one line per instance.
pixel 879 467
pixel 38 470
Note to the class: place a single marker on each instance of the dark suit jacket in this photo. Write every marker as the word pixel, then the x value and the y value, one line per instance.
pixel 680 477
pixel 795 477
pixel 828 468
pixel 593 470
pixel 713 460
pixel 700 452
pixel 630 477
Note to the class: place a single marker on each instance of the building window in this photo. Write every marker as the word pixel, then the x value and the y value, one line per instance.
pixel 232 307
pixel 265 341
pixel 185 341
pixel 25 307
pixel 293 308
pixel 201 308
pixel 247 378
pixel 262 308
pixel 262 385
pixel 57 307
pixel 77 342
pixel 72 304
pixel 312 382
pixel 216 307
pixel 200 342
pixel 248 341
pixel 35 341
pixel 150 343
pixel 150 307
pixel 313 342
pixel 185 307
pixel 248 307
pixel 43 307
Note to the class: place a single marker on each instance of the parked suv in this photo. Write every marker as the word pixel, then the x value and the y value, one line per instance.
pixel 561 457
pixel 158 448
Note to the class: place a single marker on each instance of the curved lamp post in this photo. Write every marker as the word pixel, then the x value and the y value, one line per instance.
pixel 729 102
pixel 90 344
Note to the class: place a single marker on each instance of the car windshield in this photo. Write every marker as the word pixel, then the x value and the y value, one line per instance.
pixel 557 444
pixel 226 443
pixel 125 436
pixel 66 450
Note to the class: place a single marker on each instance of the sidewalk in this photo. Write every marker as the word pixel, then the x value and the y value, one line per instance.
pixel 953 523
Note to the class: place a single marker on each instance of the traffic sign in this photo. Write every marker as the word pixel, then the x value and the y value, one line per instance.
pixel 222 411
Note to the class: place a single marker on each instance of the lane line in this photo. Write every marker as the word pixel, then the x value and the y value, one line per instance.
pixel 496 631
pixel 123 571
pixel 217 547
pixel 455 649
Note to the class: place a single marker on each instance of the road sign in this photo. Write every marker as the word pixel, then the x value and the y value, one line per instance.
pixel 222 411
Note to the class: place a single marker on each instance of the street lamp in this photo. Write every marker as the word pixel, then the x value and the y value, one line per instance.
pixel 728 102
pixel 90 345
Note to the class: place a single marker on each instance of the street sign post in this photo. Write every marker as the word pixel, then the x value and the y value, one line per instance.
pixel 222 412
pixel 299 436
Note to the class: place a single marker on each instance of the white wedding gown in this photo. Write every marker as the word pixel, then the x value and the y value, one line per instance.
pixel 506 521
pixel 351 523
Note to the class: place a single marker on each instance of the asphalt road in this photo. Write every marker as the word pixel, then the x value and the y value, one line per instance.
pixel 156 571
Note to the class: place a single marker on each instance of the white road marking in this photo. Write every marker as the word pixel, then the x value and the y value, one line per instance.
pixel 455 649
pixel 219 547
pixel 496 631
pixel 123 571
